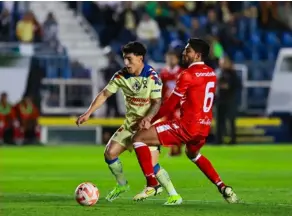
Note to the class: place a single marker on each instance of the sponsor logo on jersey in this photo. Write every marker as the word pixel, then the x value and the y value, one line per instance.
pixel 208 74
pixel 205 121
pixel 156 90
pixel 138 101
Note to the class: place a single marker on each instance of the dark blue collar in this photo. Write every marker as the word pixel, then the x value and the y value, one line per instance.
pixel 144 73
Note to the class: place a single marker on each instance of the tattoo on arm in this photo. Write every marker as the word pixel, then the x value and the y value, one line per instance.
pixel 155 106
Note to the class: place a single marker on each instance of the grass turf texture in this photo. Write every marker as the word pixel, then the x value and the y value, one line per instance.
pixel 38 181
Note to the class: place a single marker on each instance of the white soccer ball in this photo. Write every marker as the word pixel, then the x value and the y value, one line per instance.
pixel 86 194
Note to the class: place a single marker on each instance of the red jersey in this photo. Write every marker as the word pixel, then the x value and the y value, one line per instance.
pixel 168 77
pixel 196 86
pixel 195 91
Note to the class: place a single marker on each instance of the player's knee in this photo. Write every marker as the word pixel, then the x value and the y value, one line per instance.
pixel 191 151
pixel 137 137
pixel 110 154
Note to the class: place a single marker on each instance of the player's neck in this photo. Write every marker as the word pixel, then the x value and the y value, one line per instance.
pixel 139 70
pixel 196 63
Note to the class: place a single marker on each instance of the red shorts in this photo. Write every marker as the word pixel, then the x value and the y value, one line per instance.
pixel 172 133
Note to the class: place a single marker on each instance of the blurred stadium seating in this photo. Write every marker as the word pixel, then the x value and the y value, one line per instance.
pixel 254 43
pixel 67 51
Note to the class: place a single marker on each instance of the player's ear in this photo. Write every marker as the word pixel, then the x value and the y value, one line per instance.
pixel 198 55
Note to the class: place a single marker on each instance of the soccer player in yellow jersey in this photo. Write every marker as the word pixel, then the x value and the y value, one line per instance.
pixel 141 88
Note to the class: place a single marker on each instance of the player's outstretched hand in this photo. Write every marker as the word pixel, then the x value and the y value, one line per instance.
pixel 83 118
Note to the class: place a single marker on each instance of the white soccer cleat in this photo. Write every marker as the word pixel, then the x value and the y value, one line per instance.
pixel 148 192
pixel 229 195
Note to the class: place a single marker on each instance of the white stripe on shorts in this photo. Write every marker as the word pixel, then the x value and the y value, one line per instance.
pixel 162 128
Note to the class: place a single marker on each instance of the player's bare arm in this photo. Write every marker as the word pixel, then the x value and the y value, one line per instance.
pixel 99 100
pixel 155 106
pixel 145 123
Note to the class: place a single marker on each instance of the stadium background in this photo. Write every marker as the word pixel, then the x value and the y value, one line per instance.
pixel 62 67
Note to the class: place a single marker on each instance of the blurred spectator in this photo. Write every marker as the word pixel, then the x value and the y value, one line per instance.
pixel 213 26
pixel 28 29
pixel 25 28
pixel 224 11
pixel 269 17
pixel 160 11
pixel 285 13
pixel 196 30
pixel 108 72
pixel 229 85
pixel 28 115
pixel 148 32
pixel 170 72
pixel 229 33
pixel 50 29
pixel 8 120
pixel 129 17
pixel 5 22
pixel 128 20
pixel 50 35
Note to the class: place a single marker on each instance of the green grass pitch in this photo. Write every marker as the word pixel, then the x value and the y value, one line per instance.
pixel 38 181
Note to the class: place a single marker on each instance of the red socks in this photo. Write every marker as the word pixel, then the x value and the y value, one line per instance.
pixel 206 167
pixel 144 157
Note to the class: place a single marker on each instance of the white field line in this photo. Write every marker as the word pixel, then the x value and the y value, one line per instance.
pixel 151 199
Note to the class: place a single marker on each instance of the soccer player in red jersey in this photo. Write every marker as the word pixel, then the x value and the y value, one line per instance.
pixel 169 75
pixel 195 91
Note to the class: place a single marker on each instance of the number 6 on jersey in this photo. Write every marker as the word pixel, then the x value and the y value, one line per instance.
pixel 209 97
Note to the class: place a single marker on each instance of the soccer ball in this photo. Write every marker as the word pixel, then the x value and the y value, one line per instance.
pixel 86 194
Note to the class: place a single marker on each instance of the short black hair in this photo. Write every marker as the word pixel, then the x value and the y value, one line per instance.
pixel 200 46
pixel 134 47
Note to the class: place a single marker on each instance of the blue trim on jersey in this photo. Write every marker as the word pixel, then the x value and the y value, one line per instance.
pixel 146 72
pixel 156 168
pixel 109 162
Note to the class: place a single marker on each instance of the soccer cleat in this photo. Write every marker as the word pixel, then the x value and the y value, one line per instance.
pixel 229 195
pixel 174 200
pixel 148 192
pixel 117 191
